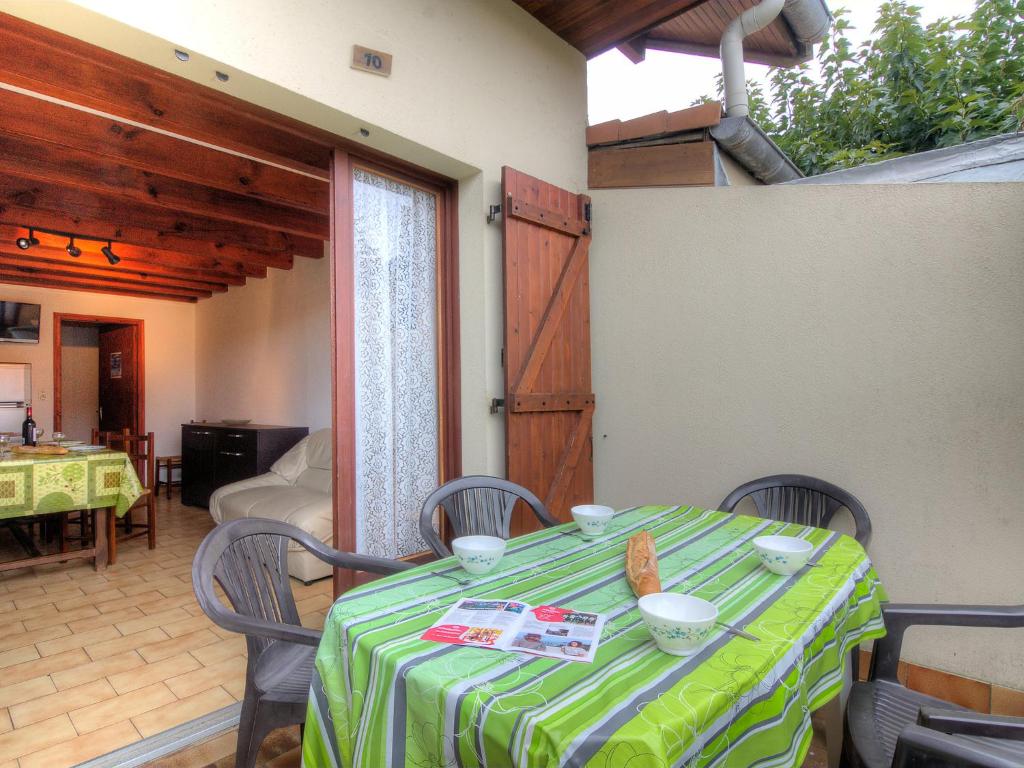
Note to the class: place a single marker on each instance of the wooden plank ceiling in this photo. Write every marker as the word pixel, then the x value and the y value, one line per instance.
pixel 685 26
pixel 197 190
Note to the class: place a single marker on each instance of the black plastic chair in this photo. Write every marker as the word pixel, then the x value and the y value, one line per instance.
pixel 880 710
pixel 801 499
pixel 248 558
pixel 477 505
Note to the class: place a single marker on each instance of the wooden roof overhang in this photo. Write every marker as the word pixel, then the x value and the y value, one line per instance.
pixel 683 26
pixel 197 190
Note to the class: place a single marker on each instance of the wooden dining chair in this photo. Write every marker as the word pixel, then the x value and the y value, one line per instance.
pixel 84 519
pixel 477 505
pixel 801 499
pixel 141 450
pixel 248 559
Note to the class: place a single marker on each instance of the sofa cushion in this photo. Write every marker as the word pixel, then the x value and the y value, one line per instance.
pixel 305 509
pixel 319 450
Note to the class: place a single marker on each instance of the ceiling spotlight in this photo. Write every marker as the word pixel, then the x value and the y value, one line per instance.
pixel 27 242
pixel 73 250
pixel 112 257
pixel 222 76
pixel 181 55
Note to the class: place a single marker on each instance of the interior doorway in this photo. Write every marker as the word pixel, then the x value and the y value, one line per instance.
pixel 98 375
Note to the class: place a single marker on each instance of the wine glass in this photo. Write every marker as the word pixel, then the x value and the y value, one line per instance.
pixel 5 444
pixel 58 437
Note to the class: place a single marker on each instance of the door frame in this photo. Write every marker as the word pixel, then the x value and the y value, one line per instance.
pixel 343 392
pixel 140 362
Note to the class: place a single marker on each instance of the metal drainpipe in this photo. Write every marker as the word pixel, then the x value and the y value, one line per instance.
pixel 731 51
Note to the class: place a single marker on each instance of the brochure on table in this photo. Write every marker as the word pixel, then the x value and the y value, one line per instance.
pixel 508 625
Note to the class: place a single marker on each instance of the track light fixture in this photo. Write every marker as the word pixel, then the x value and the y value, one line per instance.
pixel 27 242
pixel 72 249
pixel 112 257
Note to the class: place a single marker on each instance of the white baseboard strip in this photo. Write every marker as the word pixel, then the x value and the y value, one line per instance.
pixel 167 742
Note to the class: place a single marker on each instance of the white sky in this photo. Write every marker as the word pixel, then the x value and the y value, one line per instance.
pixel 617 88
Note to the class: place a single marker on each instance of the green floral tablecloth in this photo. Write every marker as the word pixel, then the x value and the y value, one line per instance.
pixel 79 480
pixel 382 697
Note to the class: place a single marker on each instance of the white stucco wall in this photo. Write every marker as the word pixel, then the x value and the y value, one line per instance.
pixel 869 335
pixel 475 85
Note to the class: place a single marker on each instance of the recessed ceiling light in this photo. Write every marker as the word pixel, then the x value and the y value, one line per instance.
pixel 222 76
pixel 363 132
pixel 181 55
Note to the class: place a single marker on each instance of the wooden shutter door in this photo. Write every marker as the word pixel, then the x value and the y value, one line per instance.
pixel 549 405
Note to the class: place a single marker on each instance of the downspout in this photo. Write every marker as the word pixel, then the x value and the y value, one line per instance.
pixel 731 51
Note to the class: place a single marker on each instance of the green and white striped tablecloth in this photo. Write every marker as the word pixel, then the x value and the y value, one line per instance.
pixel 383 697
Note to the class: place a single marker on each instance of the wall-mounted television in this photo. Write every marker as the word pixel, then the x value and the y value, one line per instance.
pixel 19 322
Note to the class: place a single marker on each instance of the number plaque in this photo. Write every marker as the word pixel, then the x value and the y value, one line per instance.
pixel 369 60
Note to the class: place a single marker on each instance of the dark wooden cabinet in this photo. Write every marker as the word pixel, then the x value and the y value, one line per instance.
pixel 213 455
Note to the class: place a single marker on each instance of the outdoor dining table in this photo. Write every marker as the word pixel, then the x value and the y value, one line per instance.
pixel 103 480
pixel 380 696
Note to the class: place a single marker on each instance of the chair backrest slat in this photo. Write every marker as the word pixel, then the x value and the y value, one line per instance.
pixel 477 505
pixel 801 499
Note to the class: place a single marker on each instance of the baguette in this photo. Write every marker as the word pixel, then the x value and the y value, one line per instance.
pixel 642 564
pixel 41 450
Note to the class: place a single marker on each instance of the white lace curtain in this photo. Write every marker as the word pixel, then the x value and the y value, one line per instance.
pixel 396 361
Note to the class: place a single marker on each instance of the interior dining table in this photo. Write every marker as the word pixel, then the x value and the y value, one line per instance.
pixel 41 484
pixel 381 696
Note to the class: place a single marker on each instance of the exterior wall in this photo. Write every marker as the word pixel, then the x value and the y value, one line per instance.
pixel 263 352
pixel 170 350
pixel 475 86
pixel 869 335
pixel 80 375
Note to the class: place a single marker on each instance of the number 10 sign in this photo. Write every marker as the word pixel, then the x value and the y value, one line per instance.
pixel 369 60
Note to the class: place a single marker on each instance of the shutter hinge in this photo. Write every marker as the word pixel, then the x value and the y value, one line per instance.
pixel 586 211
pixel 493 212
pixel 496 403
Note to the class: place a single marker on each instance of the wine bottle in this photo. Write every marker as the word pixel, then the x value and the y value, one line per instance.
pixel 28 428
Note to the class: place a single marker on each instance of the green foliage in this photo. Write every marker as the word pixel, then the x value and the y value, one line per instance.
pixel 910 88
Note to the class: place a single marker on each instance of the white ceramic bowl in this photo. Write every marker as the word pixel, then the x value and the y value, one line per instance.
pixel 592 518
pixel 478 554
pixel 678 623
pixel 783 554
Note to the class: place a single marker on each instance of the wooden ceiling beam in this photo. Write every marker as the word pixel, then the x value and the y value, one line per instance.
pixel 45 61
pixel 86 170
pixel 635 50
pixel 274 249
pixel 143 259
pixel 12 258
pixel 31 276
pixel 99 227
pixel 146 150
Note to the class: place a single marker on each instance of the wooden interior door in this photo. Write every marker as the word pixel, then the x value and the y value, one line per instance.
pixel 549 404
pixel 118 369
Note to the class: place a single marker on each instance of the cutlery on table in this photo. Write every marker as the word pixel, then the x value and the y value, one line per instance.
pixel 738 632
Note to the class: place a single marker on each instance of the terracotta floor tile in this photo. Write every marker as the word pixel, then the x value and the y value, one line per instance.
pixel 95 716
pixel 173 590
pixel 1007 701
pixel 32 738
pixel 141 588
pixel 91 598
pixel 77 640
pixel 27 614
pixel 83 748
pixel 24 592
pixel 972 694
pixel 5 721
pixel 136 678
pixel 181 711
pixel 222 649
pixel 173 646
pixel 59 588
pixel 236 688
pixel 6 605
pixel 315 603
pixel 61 617
pixel 122 644
pixel 144 622
pixel 96 670
pixel 105 619
pixel 26 690
pixel 17 656
pixel 205 678
pixel 313 620
pixel 44 666
pixel 61 702
pixel 23 638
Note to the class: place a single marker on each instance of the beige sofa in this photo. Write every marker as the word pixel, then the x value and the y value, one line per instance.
pixel 296 490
